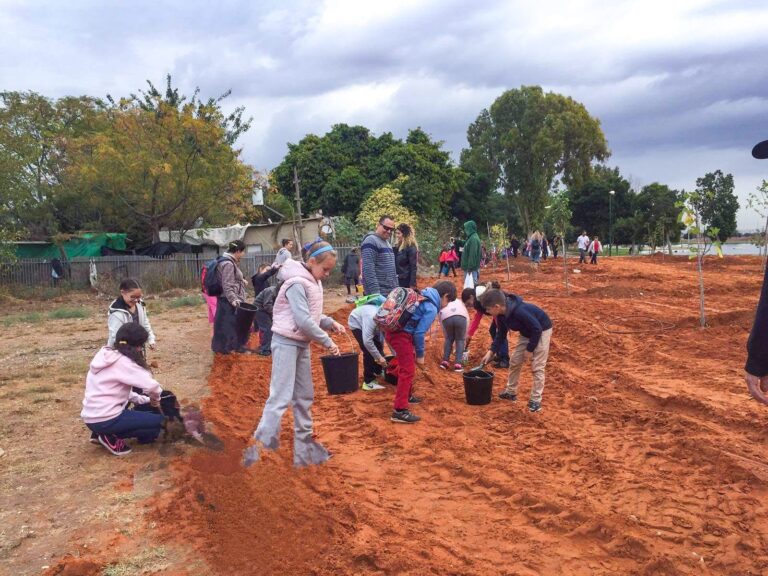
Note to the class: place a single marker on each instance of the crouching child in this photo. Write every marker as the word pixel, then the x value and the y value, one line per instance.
pixel 535 330
pixel 363 325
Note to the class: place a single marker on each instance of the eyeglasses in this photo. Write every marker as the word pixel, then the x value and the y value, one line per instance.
pixel 388 228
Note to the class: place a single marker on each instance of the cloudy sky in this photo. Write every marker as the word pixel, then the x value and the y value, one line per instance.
pixel 680 86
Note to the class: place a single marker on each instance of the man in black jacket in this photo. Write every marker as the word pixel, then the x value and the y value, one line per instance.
pixel 756 369
pixel 535 329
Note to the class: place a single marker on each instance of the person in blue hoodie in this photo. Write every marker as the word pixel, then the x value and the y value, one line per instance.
pixel 535 329
pixel 408 345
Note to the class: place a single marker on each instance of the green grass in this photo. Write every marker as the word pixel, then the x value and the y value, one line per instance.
pixel 26 318
pixel 150 560
pixel 185 301
pixel 63 313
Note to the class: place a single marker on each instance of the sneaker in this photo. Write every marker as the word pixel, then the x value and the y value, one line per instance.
pixel 445 365
pixel 372 385
pixel 458 368
pixel 264 352
pixel 415 399
pixel 534 406
pixel 508 396
pixel 114 444
pixel 94 439
pixel 404 417
pixel 246 350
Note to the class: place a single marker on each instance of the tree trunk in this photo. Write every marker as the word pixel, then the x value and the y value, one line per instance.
pixel 669 243
pixel 565 264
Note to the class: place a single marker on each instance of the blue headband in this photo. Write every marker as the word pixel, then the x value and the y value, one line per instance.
pixel 328 248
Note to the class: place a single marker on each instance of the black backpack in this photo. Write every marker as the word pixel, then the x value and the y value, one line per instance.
pixel 211 280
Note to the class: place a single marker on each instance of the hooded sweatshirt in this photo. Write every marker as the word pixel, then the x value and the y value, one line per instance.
pixel 470 257
pixel 363 318
pixel 120 314
pixel 422 319
pixel 108 386
pixel 379 275
pixel 528 319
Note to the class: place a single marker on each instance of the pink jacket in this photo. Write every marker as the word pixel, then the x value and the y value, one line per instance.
pixel 108 386
pixel 283 322
pixel 455 308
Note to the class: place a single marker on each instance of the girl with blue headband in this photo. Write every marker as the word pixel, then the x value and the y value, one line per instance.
pixel 297 321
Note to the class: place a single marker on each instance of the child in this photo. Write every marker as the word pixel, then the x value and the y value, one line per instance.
pixel 454 319
pixel 500 348
pixel 113 373
pixel 264 304
pixel 535 329
pixel 129 308
pixel 351 271
pixel 210 301
pixel 408 345
pixel 366 332
pixel 594 248
pixel 260 280
pixel 443 261
pixel 297 321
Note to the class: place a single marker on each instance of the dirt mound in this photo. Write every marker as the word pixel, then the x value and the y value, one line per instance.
pixel 647 458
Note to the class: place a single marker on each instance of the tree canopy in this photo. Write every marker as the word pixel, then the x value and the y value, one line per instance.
pixel 716 203
pixel 527 139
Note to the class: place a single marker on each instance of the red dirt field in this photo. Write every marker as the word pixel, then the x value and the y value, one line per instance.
pixel 648 458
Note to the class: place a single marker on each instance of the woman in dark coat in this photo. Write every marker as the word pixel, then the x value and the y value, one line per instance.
pixel 406 254
pixel 351 270
pixel 225 335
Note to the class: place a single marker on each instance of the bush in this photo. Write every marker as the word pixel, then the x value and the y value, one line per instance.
pixel 186 301
pixel 62 313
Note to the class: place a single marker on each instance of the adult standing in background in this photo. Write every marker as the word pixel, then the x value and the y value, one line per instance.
pixel 225 338
pixel 756 369
pixel 470 256
pixel 379 275
pixel 406 255
pixel 285 252
pixel 583 243
pixel 351 271
pixel 514 243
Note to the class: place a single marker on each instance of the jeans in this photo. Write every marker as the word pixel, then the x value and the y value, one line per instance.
pixel 264 321
pixel 503 349
pixel 144 426
pixel 371 368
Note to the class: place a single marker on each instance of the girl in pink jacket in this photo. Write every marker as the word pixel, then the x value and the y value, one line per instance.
pixel 113 375
pixel 297 321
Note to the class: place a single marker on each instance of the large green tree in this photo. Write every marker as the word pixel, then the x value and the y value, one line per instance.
pixel 338 170
pixel 161 162
pixel 529 139
pixel 716 203
pixel 593 206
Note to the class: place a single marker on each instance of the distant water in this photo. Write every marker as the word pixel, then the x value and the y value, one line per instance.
pixel 739 249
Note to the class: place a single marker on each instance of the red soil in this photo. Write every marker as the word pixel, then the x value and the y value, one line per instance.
pixel 648 458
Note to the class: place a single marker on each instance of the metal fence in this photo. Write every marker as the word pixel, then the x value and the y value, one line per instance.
pixel 155 274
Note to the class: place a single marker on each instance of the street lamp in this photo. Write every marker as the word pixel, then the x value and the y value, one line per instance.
pixel 610 222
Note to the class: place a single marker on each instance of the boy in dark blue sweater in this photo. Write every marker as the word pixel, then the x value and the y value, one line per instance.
pixel 535 329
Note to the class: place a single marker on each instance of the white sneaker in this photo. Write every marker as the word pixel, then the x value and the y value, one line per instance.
pixel 373 385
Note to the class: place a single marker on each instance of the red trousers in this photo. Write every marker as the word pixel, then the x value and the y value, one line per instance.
pixel 402 343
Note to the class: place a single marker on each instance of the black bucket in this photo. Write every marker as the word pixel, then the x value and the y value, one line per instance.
pixel 341 372
pixel 478 387
pixel 243 321
pixel 390 372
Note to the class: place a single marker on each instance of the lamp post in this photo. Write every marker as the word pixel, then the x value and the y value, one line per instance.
pixel 610 222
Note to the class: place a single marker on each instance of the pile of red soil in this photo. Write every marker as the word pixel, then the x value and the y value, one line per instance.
pixel 648 458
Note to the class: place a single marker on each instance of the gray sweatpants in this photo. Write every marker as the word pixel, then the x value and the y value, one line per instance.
pixel 455 330
pixel 291 384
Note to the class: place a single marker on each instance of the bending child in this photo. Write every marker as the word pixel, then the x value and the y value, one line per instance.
pixel 297 320
pixel 113 374
pixel 454 319
pixel 535 329
pixel 365 330
pixel 408 345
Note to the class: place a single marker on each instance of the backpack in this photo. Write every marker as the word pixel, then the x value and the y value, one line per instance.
pixel 211 281
pixel 397 309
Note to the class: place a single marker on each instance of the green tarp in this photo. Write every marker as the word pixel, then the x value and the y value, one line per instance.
pixel 85 245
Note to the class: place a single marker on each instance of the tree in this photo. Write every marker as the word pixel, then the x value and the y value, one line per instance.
pixel 591 203
pixel 716 203
pixel 529 138
pixel 759 203
pixel 167 164
pixel 560 214
pixel 386 200
pixel 660 209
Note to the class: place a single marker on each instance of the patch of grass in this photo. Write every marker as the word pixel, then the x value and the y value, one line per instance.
pixel 185 301
pixel 150 560
pixel 62 313
pixel 26 318
pixel 41 390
